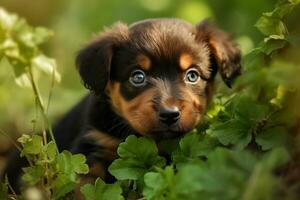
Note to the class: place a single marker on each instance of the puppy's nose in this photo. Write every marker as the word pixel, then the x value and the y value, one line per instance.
pixel 169 115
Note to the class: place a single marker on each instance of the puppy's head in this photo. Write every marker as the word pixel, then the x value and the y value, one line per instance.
pixel 159 73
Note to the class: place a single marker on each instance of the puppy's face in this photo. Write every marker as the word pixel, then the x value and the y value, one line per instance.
pixel 159 73
pixel 160 80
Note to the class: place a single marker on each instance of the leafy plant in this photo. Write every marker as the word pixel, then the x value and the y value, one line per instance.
pixel 53 173
pixel 137 156
pixel 102 191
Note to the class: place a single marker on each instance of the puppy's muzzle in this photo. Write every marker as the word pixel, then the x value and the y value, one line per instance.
pixel 169 115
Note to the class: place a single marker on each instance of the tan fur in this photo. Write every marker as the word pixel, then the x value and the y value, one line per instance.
pixel 104 139
pixel 144 62
pixel 138 112
pixel 185 61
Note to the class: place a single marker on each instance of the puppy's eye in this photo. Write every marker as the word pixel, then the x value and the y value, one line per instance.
pixel 192 76
pixel 137 78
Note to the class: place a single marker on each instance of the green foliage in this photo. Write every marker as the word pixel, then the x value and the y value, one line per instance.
pixel 55 174
pixel 68 166
pixel 192 147
pixel 224 175
pixel 19 43
pixel 137 156
pixel 102 191
pixel 60 170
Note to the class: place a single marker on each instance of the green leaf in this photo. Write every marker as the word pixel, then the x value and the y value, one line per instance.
pixel 222 176
pixel 269 25
pixel 134 147
pixel 102 191
pixel 232 132
pixel 51 150
pixel 193 146
pixel 19 43
pixel 158 185
pixel 45 64
pixel 25 36
pixel 253 59
pixel 68 163
pixel 63 184
pixel 42 35
pixel 273 43
pixel 33 175
pixel 137 156
pixel 283 8
pixel 272 137
pixel 68 166
pixel 249 111
pixel 127 169
pixel 189 143
pixel 7 20
pixel 32 145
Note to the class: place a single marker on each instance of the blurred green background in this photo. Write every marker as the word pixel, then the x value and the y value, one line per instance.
pixel 75 21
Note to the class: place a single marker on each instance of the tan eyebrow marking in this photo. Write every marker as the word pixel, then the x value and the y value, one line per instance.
pixel 144 62
pixel 185 61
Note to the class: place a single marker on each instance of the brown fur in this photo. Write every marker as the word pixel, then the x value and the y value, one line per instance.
pixel 165 49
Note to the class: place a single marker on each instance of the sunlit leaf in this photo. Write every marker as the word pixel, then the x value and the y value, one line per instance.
pixel 269 25
pixel 46 64
pixel 272 43
pixel 32 145
pixel 68 163
pixel 7 21
pixel 137 156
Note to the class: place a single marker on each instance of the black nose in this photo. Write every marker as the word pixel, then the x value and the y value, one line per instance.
pixel 169 115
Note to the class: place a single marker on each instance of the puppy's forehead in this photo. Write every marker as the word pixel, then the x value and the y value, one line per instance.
pixel 166 39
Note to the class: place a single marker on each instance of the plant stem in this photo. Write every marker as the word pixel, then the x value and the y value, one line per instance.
pixel 47 125
pixel 51 89
pixel 41 106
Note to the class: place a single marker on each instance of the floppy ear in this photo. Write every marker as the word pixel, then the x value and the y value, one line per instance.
pixel 94 60
pixel 224 52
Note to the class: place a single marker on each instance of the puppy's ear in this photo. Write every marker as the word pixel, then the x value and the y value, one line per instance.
pixel 224 52
pixel 94 60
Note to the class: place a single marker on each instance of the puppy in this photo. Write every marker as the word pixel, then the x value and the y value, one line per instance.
pixel 153 78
